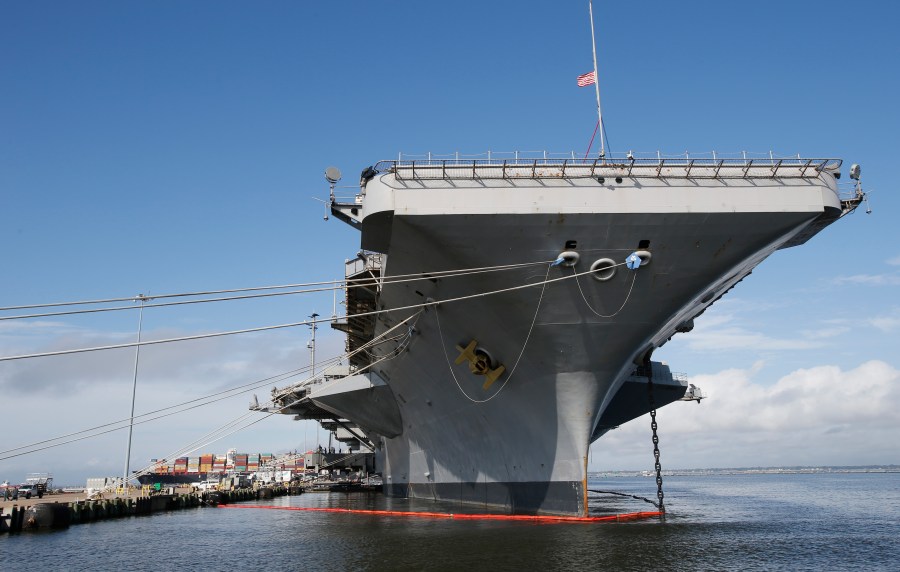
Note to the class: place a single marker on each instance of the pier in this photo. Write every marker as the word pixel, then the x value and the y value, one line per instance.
pixel 67 509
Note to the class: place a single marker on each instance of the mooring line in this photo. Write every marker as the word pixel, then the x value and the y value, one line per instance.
pixel 645 499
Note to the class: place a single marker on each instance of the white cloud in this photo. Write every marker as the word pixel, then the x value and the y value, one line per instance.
pixel 895 261
pixel 825 332
pixel 59 395
pixel 21 336
pixel 887 320
pixel 717 333
pixel 819 415
pixel 869 279
pixel 886 324
pixel 816 415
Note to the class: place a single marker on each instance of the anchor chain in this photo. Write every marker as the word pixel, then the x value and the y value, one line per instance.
pixel 653 427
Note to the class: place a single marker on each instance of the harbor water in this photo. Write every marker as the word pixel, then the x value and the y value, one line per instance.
pixel 827 521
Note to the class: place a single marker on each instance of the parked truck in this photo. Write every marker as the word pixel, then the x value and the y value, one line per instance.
pixel 36 484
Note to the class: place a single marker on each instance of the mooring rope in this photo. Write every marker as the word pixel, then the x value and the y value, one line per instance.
pixel 521 353
pixel 328 286
pixel 591 308
pixel 206 400
pixel 645 499
pixel 289 325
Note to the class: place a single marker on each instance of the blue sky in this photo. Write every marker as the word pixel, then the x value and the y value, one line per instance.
pixel 170 147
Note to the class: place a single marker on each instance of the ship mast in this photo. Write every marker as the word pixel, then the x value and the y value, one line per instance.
pixel 597 84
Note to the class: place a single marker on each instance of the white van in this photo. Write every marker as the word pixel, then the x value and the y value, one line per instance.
pixel 211 485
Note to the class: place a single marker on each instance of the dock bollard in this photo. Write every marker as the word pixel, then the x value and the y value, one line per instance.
pixel 17 518
pixel 14 520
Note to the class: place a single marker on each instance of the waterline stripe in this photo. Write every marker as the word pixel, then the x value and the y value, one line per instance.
pixel 626 517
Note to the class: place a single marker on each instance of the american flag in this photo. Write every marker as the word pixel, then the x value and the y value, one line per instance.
pixel 586 79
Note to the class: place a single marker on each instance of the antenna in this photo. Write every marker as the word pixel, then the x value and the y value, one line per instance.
pixel 332 175
pixel 312 344
pixel 855 173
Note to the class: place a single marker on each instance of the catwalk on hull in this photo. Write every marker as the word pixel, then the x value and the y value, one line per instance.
pixel 502 313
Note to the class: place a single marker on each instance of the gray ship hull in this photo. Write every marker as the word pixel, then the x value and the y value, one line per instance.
pixel 526 449
pixel 564 345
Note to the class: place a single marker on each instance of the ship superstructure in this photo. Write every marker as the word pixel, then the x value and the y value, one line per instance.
pixel 502 312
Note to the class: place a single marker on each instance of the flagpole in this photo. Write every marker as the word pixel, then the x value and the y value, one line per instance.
pixel 597 83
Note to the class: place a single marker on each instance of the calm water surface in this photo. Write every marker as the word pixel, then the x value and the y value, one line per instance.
pixel 742 522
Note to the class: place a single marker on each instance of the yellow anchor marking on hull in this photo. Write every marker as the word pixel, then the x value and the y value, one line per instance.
pixel 479 363
pixel 492 376
pixel 467 353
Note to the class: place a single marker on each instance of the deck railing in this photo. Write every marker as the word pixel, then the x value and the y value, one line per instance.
pixel 519 166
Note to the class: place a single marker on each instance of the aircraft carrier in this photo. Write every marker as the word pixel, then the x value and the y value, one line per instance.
pixel 502 312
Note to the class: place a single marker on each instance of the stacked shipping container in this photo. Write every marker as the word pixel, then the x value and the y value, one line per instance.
pixel 210 463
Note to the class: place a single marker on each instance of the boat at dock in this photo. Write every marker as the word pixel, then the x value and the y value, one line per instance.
pixel 264 467
pixel 503 311
pixel 189 470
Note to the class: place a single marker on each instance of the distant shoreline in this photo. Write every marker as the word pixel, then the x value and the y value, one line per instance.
pixel 752 471
pixel 715 472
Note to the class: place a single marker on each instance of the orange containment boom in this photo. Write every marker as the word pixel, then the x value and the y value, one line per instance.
pixel 448 515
